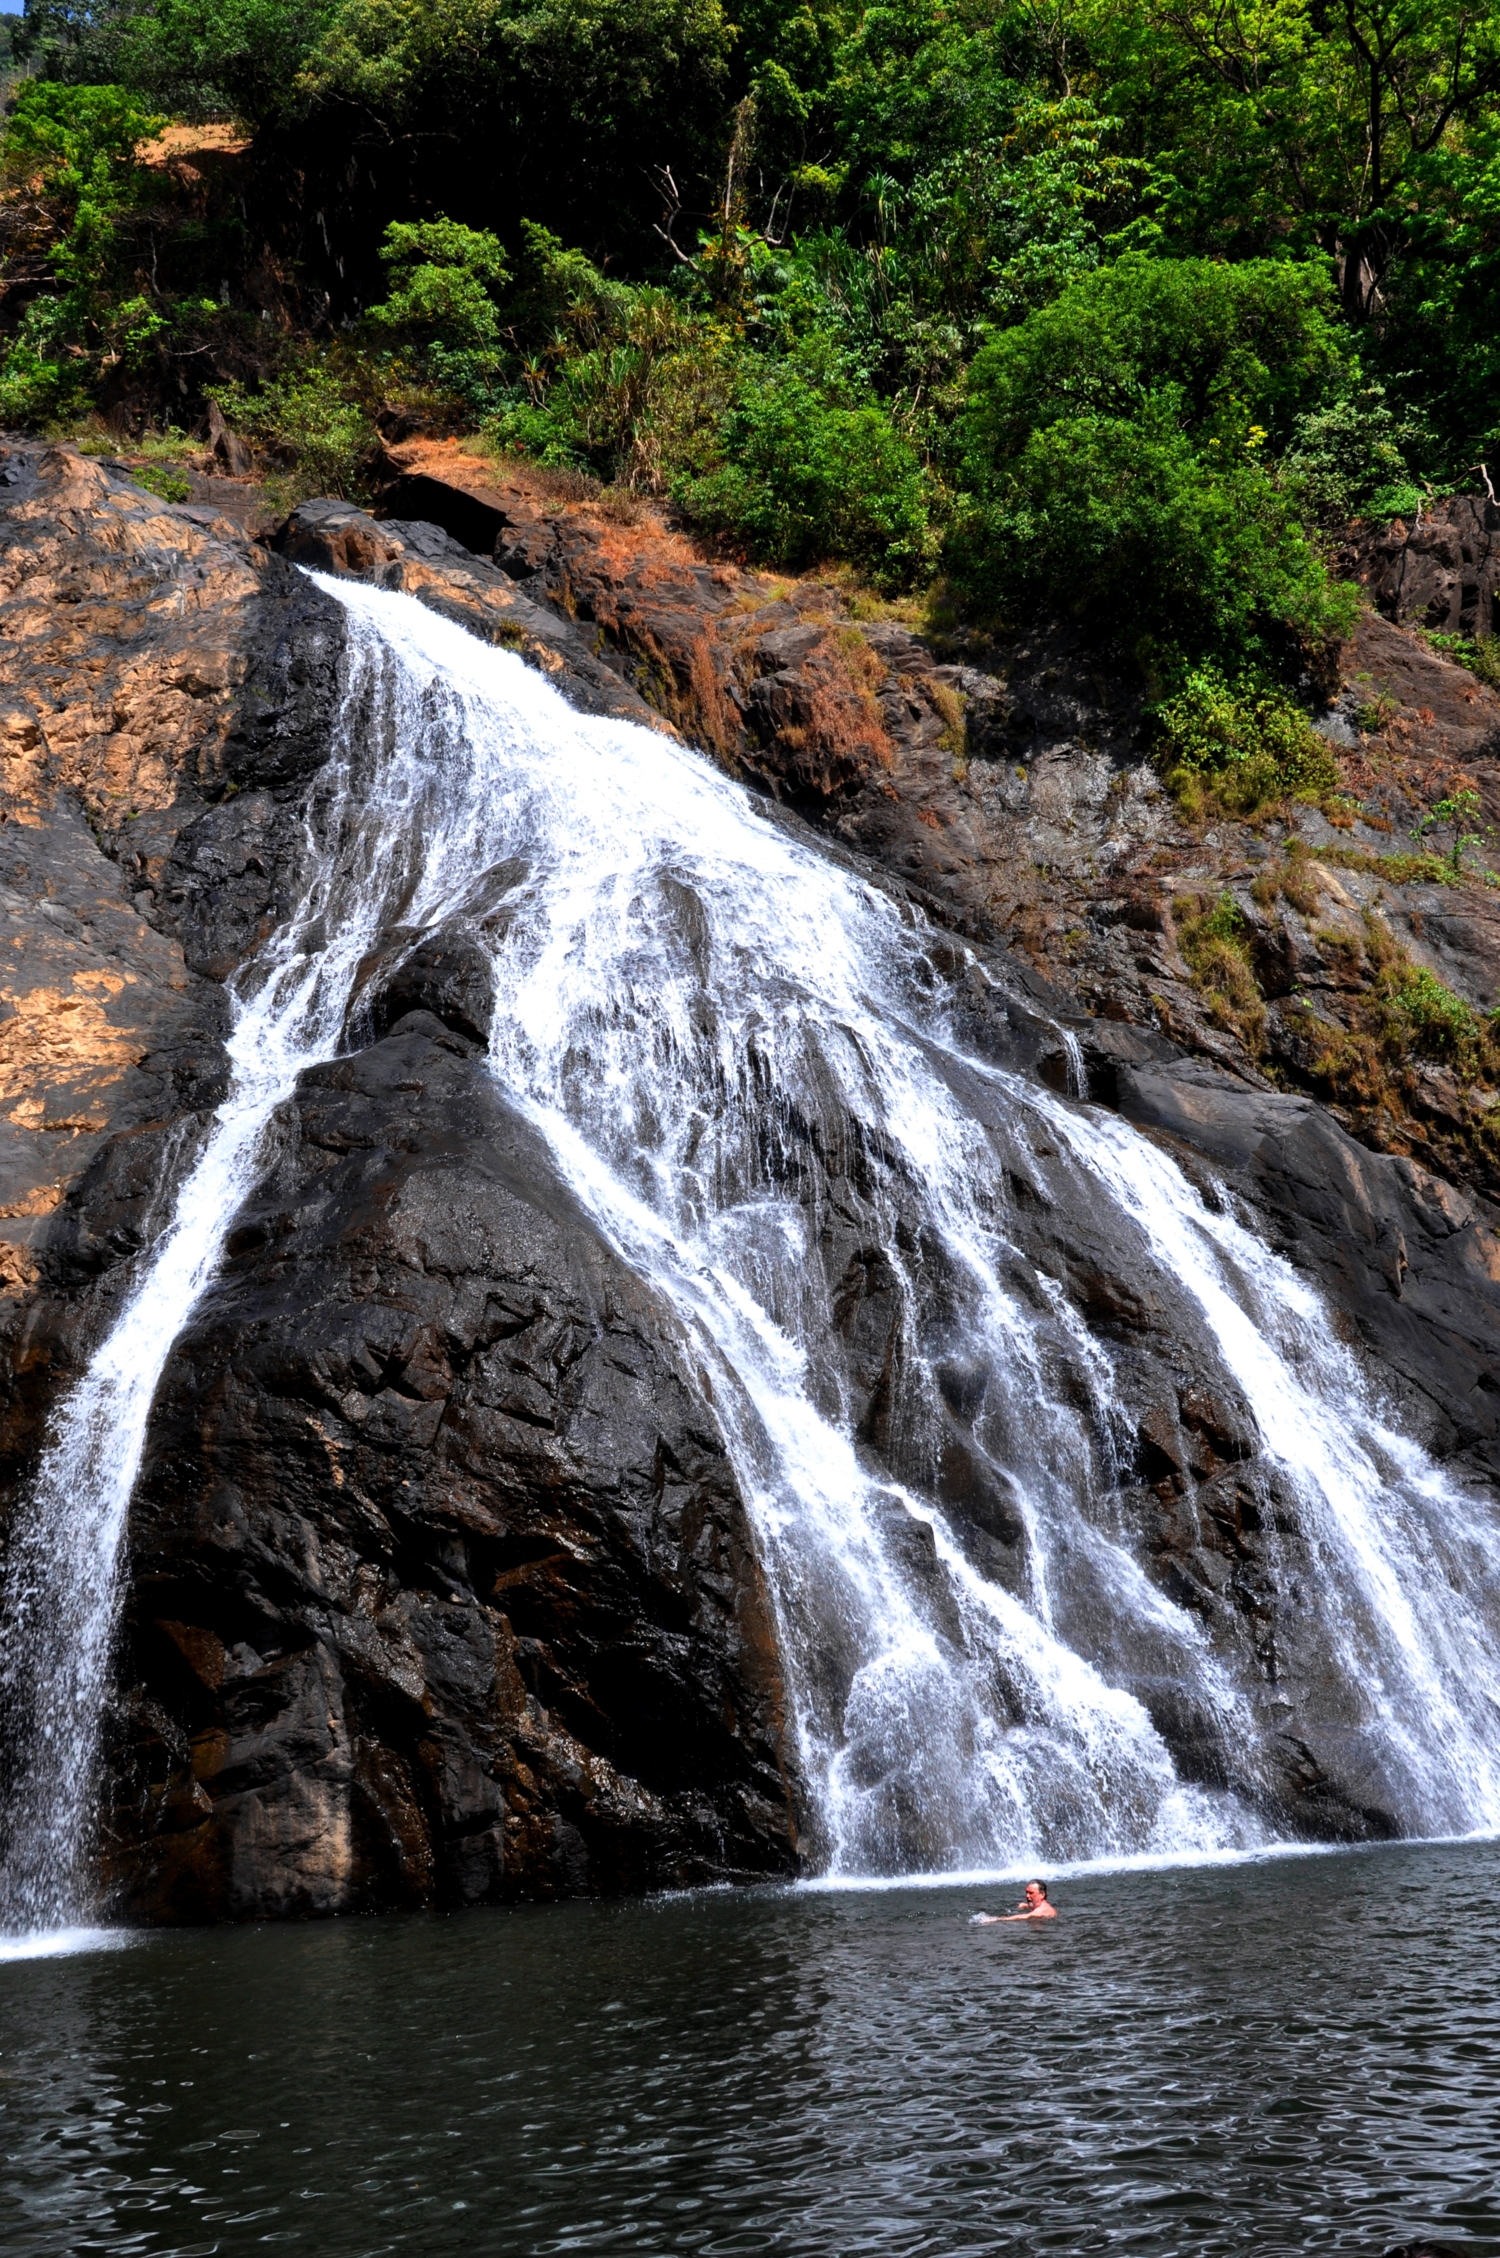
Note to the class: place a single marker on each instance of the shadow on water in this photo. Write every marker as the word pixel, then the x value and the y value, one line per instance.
pixel 1283 2057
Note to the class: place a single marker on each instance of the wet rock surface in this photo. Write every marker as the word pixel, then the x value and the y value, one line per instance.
pixel 161 681
pixel 440 1587
pixel 423 560
pixel 592 1702
pixel 1438 569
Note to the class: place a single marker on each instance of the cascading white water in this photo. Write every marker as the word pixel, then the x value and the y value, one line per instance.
pixel 388 837
pixel 732 1049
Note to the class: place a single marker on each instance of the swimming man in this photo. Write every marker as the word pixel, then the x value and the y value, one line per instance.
pixel 1034 1906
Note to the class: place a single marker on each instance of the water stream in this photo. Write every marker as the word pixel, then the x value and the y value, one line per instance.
pixel 738 1054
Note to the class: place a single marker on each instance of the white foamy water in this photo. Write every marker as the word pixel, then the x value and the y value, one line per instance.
pixel 737 1056
pixel 61 1944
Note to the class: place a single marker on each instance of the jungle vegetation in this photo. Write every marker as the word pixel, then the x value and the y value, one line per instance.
pixel 1121 307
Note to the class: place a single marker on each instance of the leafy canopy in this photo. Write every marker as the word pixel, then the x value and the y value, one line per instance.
pixel 1210 349
pixel 1113 444
pixel 443 283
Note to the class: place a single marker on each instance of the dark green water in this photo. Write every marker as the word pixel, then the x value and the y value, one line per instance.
pixel 1302 2055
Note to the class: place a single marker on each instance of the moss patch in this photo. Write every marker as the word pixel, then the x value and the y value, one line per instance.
pixel 1240 744
pixel 1214 938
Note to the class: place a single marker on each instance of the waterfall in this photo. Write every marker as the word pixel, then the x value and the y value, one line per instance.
pixel 740 1057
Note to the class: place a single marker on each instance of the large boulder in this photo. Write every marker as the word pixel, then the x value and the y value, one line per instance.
pixel 441 1587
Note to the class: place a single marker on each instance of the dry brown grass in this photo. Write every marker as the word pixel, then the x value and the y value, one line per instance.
pixel 844 721
pixel 1213 937
pixel 178 144
pixel 714 719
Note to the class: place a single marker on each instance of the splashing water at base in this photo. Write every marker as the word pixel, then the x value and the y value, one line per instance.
pixel 733 1049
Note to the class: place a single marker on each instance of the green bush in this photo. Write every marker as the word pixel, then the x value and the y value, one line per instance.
pixel 1348 456
pixel 442 279
pixel 1126 522
pixel 80 141
pixel 1222 351
pixel 1243 740
pixel 1402 498
pixel 320 439
pixel 1113 447
pixel 1479 653
pixel 1429 1016
pixel 39 386
pixel 158 478
pixel 803 477
pixel 625 382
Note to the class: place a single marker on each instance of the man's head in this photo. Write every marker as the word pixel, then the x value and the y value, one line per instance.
pixel 1035 1892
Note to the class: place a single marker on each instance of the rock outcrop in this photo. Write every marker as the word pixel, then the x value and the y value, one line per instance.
pixel 440 1586
pixel 153 668
pixel 502 1633
pixel 1438 570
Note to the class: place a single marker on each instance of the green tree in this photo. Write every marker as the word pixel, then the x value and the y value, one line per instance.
pixel 575 105
pixel 197 58
pixel 1220 350
pixel 1113 446
pixel 1292 117
pixel 443 282
pixel 72 186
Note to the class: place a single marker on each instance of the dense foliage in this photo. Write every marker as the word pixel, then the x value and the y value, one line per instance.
pixel 1120 309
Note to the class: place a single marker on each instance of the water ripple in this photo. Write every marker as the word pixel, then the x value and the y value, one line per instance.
pixel 1288 2057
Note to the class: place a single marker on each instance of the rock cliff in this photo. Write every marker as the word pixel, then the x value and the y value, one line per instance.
pixel 440 1587
pixel 502 1633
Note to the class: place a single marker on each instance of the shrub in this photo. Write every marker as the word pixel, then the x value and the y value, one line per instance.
pixel 634 391
pixel 1404 498
pixel 1214 939
pixel 1428 1017
pixel 444 278
pixel 1126 522
pixel 803 476
pixel 321 440
pixel 1112 446
pixel 1479 653
pixel 1347 456
pixel 38 386
pixel 1241 738
pixel 1224 349
pixel 620 380
pixel 77 140
pixel 159 478
pixel 1405 1014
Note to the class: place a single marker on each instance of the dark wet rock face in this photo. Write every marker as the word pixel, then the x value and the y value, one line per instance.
pixel 166 689
pixel 439 1587
pixel 1410 1261
pixel 1438 570
pixel 442 1589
